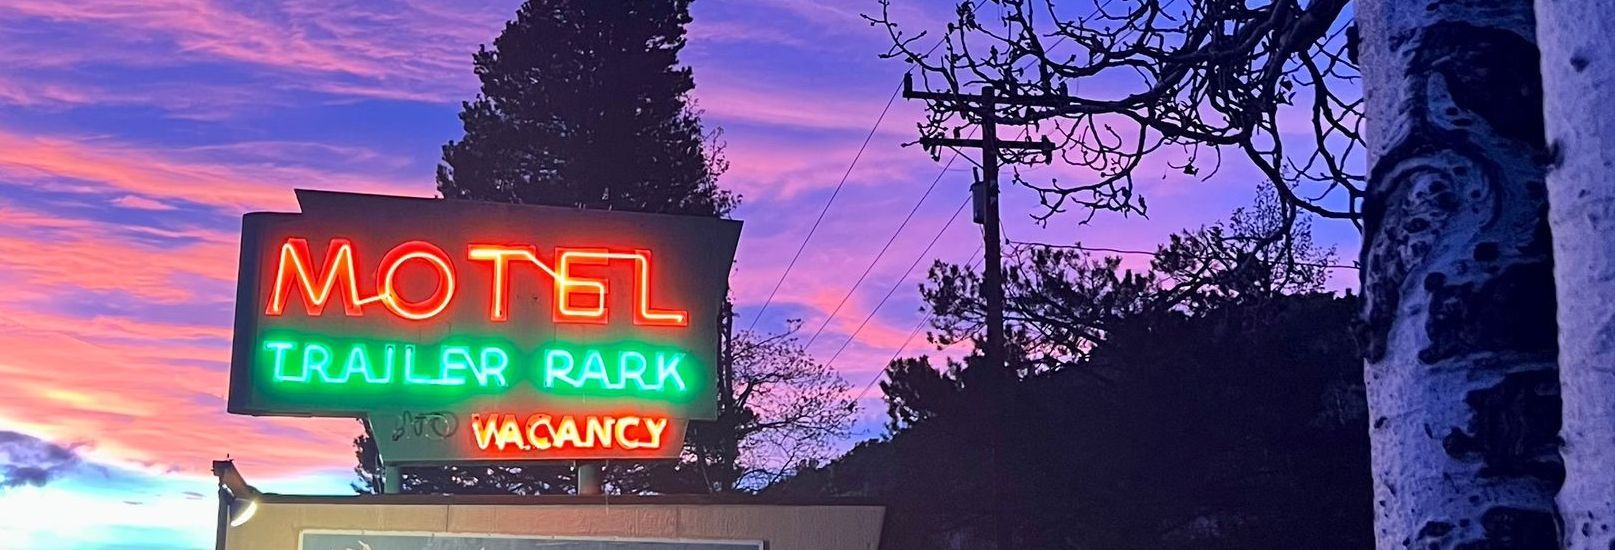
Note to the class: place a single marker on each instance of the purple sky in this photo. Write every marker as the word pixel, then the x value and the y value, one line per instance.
pixel 134 133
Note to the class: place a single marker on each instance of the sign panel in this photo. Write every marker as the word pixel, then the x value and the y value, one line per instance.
pixel 474 331
pixel 354 540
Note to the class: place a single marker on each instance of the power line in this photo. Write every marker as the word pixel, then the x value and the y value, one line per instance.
pixel 884 248
pixel 882 253
pixel 824 211
pixel 837 191
pixel 899 282
pixel 917 326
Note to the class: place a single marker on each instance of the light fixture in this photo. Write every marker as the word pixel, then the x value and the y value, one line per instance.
pixel 242 510
pixel 238 500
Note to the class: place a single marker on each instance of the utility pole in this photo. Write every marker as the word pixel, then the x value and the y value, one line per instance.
pixel 985 195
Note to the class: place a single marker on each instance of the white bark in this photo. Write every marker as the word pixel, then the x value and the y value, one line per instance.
pixel 1457 329
pixel 1578 80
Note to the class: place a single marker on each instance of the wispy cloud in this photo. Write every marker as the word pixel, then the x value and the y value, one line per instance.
pixel 200 27
pixel 706 32
pixel 102 164
pixel 141 203
pixel 146 393
pixel 28 460
pixel 385 50
pixel 727 101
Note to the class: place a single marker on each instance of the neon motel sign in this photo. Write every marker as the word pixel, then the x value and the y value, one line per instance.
pixel 468 331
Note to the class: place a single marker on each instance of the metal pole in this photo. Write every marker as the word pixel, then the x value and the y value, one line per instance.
pixel 224 519
pixel 590 480
pixel 392 480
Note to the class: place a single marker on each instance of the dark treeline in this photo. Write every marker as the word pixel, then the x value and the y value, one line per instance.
pixel 1215 408
pixel 1213 400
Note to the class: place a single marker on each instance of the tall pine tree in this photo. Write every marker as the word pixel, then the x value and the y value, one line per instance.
pixel 584 104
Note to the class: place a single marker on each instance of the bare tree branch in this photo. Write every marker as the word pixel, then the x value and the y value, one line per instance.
pixel 1169 79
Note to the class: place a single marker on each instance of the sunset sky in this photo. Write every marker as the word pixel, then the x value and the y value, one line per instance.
pixel 134 134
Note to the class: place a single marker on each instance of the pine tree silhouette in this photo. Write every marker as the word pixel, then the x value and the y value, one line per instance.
pixel 584 104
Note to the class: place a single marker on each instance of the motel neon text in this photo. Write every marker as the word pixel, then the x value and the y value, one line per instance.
pixel 576 298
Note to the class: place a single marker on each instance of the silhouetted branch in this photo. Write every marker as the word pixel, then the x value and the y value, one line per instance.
pixel 1168 82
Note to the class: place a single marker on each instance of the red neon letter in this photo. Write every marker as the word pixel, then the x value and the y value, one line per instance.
pixel 567 284
pixel 501 256
pixel 426 252
pixel 338 268
pixel 644 315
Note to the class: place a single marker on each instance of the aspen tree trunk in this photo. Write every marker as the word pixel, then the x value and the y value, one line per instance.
pixel 1457 327
pixel 1578 81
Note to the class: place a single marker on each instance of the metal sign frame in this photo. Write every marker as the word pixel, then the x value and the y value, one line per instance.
pixel 452 326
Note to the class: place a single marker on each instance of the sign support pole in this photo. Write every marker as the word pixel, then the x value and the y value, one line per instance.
pixel 392 480
pixel 590 480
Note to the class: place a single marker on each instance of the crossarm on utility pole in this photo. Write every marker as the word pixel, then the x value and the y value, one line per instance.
pixel 1052 101
pixel 1043 145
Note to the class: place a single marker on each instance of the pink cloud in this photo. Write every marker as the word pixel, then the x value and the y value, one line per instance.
pixel 51 92
pixel 771 168
pixel 823 14
pixel 291 153
pixel 50 254
pixel 143 393
pixel 135 398
pixel 199 26
pixel 35 94
pixel 101 261
pixel 103 165
pixel 395 50
pixel 726 101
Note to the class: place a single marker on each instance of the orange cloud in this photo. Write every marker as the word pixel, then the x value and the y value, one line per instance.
pixel 142 400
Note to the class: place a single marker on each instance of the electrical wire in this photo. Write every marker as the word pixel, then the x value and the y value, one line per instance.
pixel 824 211
pixel 886 247
pixel 974 258
pixel 898 283
pixel 837 191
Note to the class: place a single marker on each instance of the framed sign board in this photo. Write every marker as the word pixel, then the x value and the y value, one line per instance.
pixel 467 331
